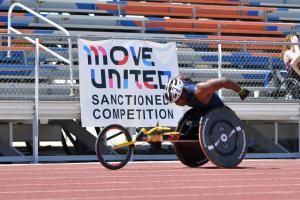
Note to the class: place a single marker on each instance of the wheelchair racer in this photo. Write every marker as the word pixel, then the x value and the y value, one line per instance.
pixel 182 91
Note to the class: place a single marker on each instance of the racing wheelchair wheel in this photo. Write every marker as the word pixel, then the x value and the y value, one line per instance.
pixel 190 153
pixel 109 156
pixel 222 137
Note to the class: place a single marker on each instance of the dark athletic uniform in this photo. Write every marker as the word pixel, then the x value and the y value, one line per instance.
pixel 214 102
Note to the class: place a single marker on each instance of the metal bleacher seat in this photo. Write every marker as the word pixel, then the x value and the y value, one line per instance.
pixel 148 9
pixel 153 24
pixel 269 10
pixel 177 10
pixel 262 3
pixel 75 19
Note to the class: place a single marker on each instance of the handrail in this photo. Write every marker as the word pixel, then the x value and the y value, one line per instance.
pixel 10 29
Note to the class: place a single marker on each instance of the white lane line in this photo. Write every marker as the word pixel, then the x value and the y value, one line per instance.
pixel 151 175
pixel 213 194
pixel 240 170
pixel 66 166
pixel 146 181
pixel 264 186
pixel 101 170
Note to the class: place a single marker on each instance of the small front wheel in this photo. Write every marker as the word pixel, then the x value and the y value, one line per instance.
pixel 110 153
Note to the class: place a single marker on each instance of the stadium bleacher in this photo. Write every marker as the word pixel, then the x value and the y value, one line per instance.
pixel 194 20
pixel 153 17
pixel 75 14
pixel 196 26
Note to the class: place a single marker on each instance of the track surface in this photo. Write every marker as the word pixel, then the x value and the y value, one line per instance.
pixel 253 179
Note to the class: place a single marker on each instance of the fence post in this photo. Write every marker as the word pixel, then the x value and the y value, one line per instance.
pixel 11 136
pixel 71 66
pixel 276 132
pixel 299 135
pixel 220 66
pixel 35 125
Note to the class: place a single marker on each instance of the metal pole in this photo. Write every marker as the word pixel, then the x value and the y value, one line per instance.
pixel 11 140
pixel 220 66
pixel 71 64
pixel 35 131
pixel 299 135
pixel 9 31
pixel 276 133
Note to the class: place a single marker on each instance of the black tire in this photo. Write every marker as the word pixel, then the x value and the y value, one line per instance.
pixel 190 153
pixel 117 158
pixel 235 143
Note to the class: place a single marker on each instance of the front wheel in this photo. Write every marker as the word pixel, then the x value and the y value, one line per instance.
pixel 109 156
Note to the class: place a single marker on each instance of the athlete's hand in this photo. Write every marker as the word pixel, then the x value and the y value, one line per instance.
pixel 244 93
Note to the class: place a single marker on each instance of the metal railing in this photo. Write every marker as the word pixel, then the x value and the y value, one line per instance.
pixel 11 29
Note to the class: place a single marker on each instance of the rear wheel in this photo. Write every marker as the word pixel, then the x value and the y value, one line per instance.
pixel 190 153
pixel 109 156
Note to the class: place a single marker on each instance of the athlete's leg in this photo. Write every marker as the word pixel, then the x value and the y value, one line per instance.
pixel 294 64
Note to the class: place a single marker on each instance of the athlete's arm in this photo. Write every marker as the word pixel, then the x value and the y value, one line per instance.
pixel 205 90
pixel 213 85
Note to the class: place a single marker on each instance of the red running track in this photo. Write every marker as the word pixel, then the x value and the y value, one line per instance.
pixel 253 179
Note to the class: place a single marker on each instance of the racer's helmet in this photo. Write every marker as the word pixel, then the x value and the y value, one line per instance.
pixel 173 89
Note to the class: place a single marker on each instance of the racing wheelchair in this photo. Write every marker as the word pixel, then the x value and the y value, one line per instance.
pixel 215 135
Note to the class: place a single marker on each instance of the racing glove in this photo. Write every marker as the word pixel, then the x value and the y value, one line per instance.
pixel 244 93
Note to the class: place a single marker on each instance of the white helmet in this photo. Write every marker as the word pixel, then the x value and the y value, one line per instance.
pixel 173 89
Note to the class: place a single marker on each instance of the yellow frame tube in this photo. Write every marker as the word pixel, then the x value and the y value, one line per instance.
pixel 158 128
pixel 125 144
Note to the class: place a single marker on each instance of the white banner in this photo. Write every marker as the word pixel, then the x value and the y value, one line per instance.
pixel 122 82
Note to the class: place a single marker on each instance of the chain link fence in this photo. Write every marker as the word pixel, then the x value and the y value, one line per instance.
pixel 17 76
pixel 255 65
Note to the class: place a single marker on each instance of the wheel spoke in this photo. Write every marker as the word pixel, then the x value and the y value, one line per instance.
pixel 113 136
